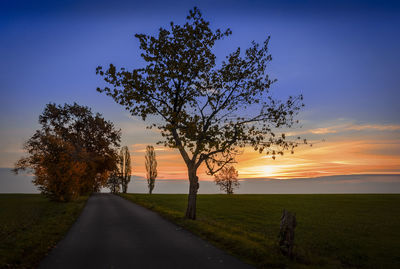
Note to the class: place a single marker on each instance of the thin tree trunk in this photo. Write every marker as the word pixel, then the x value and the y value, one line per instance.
pixel 192 198
pixel 124 188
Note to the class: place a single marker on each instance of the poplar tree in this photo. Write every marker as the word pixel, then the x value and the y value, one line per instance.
pixel 125 168
pixel 151 167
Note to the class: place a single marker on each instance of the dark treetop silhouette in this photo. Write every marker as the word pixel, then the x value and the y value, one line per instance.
pixel 207 112
pixel 227 179
pixel 151 167
pixel 114 182
pixel 125 167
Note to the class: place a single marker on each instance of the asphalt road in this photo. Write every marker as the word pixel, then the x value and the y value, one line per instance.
pixel 112 232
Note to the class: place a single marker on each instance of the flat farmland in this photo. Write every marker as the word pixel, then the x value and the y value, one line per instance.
pixel 333 230
pixel 31 225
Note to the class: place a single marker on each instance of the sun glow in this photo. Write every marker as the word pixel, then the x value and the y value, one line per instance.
pixel 340 157
pixel 329 158
pixel 259 171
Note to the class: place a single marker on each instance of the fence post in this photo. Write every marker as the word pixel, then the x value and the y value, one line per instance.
pixel 286 233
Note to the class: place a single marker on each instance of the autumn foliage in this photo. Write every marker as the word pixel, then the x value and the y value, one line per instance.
pixel 72 154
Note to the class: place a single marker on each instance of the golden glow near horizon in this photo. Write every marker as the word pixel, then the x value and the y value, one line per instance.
pixel 349 149
pixel 372 149
pixel 325 159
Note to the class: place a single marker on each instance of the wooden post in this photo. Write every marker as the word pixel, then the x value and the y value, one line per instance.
pixel 286 233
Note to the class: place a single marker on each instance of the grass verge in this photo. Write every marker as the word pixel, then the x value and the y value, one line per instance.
pixel 333 231
pixel 31 225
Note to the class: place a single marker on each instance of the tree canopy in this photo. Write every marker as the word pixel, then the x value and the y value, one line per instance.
pixel 73 152
pixel 227 179
pixel 208 111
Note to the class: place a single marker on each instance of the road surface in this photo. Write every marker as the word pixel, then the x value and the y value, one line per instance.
pixel 114 233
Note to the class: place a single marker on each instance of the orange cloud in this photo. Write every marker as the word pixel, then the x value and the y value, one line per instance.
pixel 169 162
pixel 323 130
pixel 364 153
pixel 347 126
pixel 328 158
pixel 374 127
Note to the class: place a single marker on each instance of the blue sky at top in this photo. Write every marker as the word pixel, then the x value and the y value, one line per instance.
pixel 342 55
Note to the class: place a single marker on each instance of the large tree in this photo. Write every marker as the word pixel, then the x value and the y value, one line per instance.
pixel 208 111
pixel 73 153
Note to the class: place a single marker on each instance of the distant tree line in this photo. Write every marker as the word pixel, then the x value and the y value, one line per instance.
pixel 121 176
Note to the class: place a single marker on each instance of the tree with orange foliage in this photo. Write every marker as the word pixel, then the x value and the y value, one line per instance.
pixel 72 154
pixel 227 179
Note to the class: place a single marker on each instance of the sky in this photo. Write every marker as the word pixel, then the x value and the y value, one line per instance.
pixel 343 56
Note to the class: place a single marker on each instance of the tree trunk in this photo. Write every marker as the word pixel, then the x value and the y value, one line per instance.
pixel 229 190
pixel 124 187
pixel 192 198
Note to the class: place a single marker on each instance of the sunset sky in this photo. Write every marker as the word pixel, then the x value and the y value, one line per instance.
pixel 343 56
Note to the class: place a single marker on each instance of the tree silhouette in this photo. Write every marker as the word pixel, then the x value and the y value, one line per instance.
pixel 227 179
pixel 114 181
pixel 151 167
pixel 125 168
pixel 73 153
pixel 207 111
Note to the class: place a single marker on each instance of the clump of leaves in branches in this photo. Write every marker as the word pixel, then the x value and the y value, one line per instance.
pixel 72 154
pixel 205 110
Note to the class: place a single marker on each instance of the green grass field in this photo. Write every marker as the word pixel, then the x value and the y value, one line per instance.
pixel 333 231
pixel 31 225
